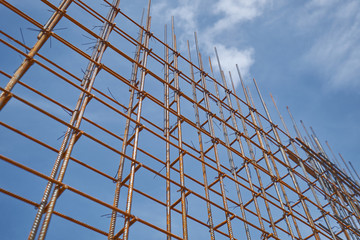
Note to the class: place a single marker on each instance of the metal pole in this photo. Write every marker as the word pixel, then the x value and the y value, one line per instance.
pixel 252 156
pixel 214 142
pixel 227 142
pixel 295 182
pixel 347 167
pixel 167 133
pixel 141 96
pixel 126 133
pixel 70 136
pixel 251 110
pixel 202 158
pixel 354 170
pixel 177 95
pixel 288 205
pixel 323 213
pixel 336 160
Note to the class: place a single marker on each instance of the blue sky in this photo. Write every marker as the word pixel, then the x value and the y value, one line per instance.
pixel 307 55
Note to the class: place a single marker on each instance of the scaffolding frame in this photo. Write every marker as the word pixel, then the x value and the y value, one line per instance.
pixel 240 180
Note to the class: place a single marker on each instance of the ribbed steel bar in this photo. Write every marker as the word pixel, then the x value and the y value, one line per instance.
pixel 69 131
pixel 167 133
pixel 252 156
pixel 214 140
pixel 290 211
pixel 126 135
pixel 226 136
pixel 202 158
pixel 275 178
pixel 141 96
pixel 309 182
pixel 177 95
pixel 251 151
pixel 285 158
pixel 316 165
pixel 348 169
pixel 71 137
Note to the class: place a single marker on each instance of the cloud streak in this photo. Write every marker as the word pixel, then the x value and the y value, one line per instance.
pixel 336 51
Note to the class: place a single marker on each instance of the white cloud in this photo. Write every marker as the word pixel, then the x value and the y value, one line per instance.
pixel 227 14
pixel 229 57
pixel 235 11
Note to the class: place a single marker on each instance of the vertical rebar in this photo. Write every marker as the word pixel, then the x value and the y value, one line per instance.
pixel 126 131
pixel 347 167
pixel 276 178
pixel 214 141
pixel 167 133
pixel 202 155
pixel 289 169
pixel 72 134
pixel 354 170
pixel 177 95
pixel 323 213
pixel 252 157
pixel 227 142
pixel 141 96
pixel 324 185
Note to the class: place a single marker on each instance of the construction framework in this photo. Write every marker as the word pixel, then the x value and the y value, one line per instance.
pixel 153 144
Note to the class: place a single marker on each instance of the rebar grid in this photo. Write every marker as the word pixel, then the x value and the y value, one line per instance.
pixel 191 159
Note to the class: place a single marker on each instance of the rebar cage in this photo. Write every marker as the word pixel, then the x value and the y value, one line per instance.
pixel 109 131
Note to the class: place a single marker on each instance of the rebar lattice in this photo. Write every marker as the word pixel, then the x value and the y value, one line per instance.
pixel 145 143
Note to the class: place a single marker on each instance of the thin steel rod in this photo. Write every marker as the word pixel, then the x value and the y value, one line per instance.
pixel 141 97
pixel 60 156
pixel 295 182
pixel 275 182
pixel 323 213
pixel 251 150
pixel 335 158
pixel 214 140
pixel 205 178
pixel 354 170
pixel 72 136
pixel 226 136
pixel 179 120
pixel 347 167
pixel 126 135
pixel 167 133
pixel 252 157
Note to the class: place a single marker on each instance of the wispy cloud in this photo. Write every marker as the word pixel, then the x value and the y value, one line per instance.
pixel 335 50
pixel 225 15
